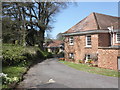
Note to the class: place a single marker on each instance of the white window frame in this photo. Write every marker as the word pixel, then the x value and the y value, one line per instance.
pixel 71 55
pixel 71 40
pixel 117 38
pixel 87 41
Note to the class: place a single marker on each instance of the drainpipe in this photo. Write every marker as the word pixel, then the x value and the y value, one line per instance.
pixel 111 35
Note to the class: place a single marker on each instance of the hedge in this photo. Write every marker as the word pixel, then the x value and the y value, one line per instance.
pixel 13 55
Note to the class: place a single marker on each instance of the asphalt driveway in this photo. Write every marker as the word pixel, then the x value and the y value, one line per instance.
pixel 53 74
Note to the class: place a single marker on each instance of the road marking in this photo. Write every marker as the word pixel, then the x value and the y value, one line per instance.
pixel 51 81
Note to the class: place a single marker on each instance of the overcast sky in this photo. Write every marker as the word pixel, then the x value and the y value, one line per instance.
pixel 74 13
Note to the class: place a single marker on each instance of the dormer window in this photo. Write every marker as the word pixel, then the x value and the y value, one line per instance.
pixel 117 37
pixel 71 41
pixel 88 41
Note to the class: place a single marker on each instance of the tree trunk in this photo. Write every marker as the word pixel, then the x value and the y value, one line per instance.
pixel 41 39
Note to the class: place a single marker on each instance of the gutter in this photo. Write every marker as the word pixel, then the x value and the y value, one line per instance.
pixel 88 32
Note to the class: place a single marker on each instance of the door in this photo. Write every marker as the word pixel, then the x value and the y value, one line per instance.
pixel 119 63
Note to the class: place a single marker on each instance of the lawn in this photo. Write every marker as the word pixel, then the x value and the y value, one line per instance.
pixel 13 71
pixel 95 70
pixel 14 74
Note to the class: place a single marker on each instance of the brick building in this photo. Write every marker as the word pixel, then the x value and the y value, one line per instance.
pixel 95 37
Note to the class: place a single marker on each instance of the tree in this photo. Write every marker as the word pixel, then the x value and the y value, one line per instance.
pixel 59 36
pixel 9 26
pixel 35 15
pixel 43 14
pixel 15 11
pixel 31 37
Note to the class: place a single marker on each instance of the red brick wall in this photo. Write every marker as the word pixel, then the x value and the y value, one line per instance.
pixel 104 40
pixel 79 48
pixel 107 58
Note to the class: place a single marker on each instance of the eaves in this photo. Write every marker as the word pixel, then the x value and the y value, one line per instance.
pixel 88 32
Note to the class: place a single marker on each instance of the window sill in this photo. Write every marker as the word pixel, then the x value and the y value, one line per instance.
pixel 71 44
pixel 117 42
pixel 88 46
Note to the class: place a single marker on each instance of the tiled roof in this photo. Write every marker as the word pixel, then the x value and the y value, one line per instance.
pixel 95 21
pixel 55 43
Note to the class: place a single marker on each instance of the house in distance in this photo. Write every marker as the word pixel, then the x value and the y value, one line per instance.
pixel 55 46
pixel 97 38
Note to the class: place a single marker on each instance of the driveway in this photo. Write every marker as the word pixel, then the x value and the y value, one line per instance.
pixel 53 74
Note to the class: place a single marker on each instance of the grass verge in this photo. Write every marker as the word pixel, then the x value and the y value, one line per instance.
pixel 95 70
pixel 14 73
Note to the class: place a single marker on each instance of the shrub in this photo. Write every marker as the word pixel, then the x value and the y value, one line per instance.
pixel 20 57
pixel 17 55
pixel 81 61
pixel 90 61
pixel 63 59
pixel 7 80
pixel 61 54
pixel 40 54
pixel 49 55
pixel 12 56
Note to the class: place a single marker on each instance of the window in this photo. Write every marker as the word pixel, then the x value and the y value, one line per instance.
pixel 118 37
pixel 88 41
pixel 71 40
pixel 71 56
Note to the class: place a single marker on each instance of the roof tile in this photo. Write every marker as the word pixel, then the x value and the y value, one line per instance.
pixel 95 21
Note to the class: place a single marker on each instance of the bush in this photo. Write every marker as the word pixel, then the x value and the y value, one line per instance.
pixel 81 61
pixel 61 54
pixel 8 80
pixel 63 59
pixel 40 54
pixel 48 55
pixel 90 61
pixel 18 58
pixel 13 55
pixel 16 55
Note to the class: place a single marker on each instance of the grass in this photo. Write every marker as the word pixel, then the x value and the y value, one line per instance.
pixel 13 71
pixel 95 70
pixel 14 65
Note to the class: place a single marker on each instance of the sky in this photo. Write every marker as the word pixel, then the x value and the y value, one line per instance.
pixel 76 12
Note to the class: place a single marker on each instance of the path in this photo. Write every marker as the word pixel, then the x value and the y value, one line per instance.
pixel 53 74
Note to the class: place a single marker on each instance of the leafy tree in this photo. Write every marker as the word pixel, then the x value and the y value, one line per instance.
pixel 59 36
pixel 43 14
pixel 33 15
pixel 31 37
pixel 10 31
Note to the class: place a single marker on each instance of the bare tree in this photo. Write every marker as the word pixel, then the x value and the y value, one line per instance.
pixel 37 15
